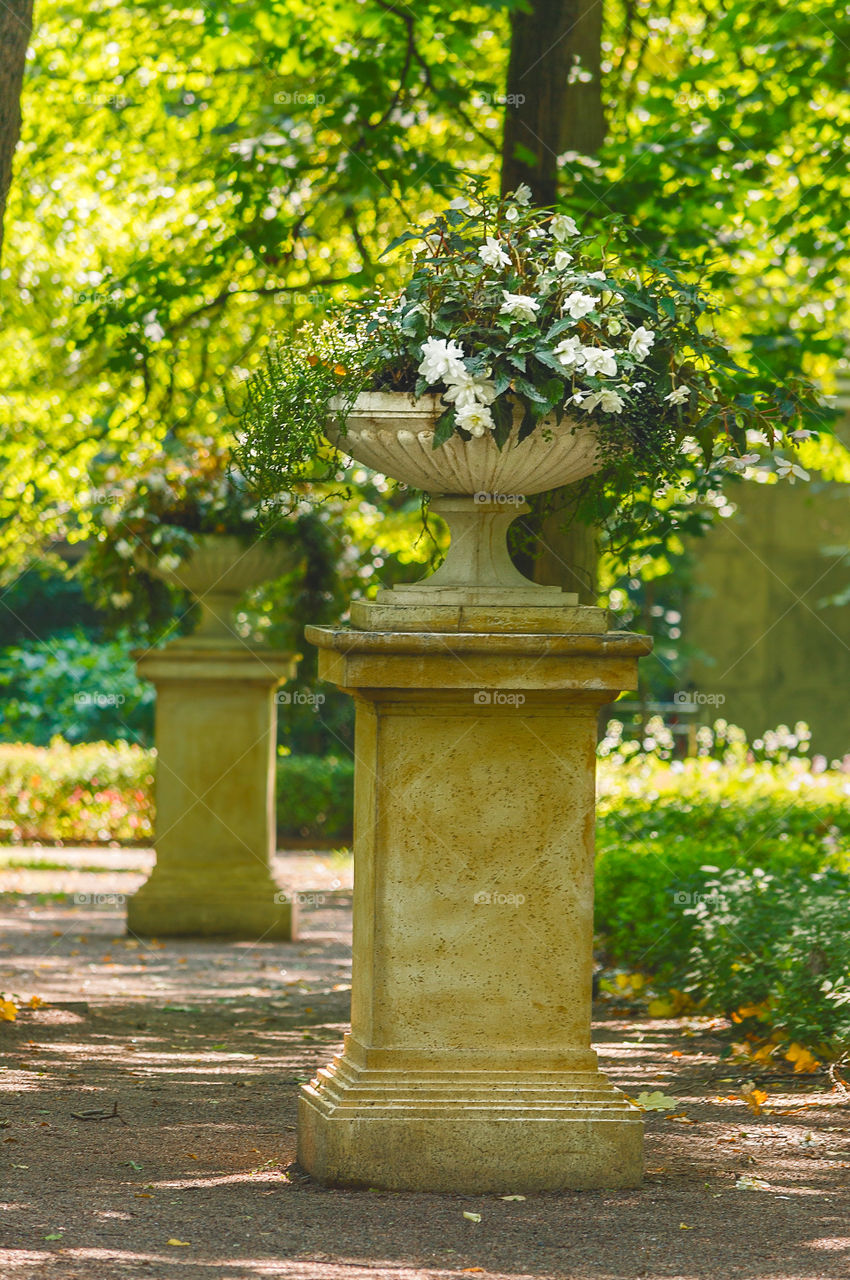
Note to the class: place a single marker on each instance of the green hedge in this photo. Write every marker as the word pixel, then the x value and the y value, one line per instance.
pixel 315 797
pixel 85 793
pixel 94 792
pixel 665 830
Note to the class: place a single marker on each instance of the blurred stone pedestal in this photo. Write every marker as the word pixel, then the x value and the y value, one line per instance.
pixel 215 795
pixel 468 1067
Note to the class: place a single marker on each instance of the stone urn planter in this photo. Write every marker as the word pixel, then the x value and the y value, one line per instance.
pixel 479 490
pixel 219 572
pixel 216 739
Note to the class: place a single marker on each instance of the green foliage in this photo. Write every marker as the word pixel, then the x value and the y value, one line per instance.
pixel 76 794
pixel 145 519
pixel 511 315
pixel 664 830
pixel 76 688
pixel 774 949
pixel 195 177
pixel 315 797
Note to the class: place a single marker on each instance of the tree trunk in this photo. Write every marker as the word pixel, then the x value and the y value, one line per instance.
pixel 15 31
pixel 553 42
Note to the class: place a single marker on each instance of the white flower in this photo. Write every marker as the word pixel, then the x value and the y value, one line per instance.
pixel 640 343
pixel 522 195
pixel 562 259
pixel 124 548
pixel 578 304
pixel 168 563
pixel 596 275
pixel 120 599
pixel 611 402
pixel 512 213
pixel 442 359
pixel 561 226
pixel 475 418
pixel 492 254
pixel 802 434
pixel 678 395
pixel 600 360
pixel 519 305
pixel 470 390
pixel 786 469
pixel 570 352
pixel 608 401
pixel 732 463
pixel 111 516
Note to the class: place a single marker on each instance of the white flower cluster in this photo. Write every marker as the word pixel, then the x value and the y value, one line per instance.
pixel 443 361
pixel 602 362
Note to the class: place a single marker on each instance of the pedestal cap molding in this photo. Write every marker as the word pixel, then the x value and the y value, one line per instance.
pixel 258 665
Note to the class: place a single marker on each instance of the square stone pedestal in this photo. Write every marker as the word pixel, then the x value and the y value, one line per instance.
pixel 469 1066
pixel 215 796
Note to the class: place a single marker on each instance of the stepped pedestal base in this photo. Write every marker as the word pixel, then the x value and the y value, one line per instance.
pixel 468 1129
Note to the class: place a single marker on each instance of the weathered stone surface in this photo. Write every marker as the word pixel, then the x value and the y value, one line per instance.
pixel 469 1065
pixel 215 778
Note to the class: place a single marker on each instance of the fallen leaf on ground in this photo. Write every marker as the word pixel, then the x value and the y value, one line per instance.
pixel 183 1244
pixel 512 1197
pixel 35 1002
pixel 745 1183
pixel 656 1101
pixel 472 1217
pixel 754 1098
pixel 8 1011
pixel 683 1226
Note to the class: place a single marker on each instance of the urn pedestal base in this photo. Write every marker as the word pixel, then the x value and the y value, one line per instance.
pixel 469 1065
pixel 215 796
pixel 468 1127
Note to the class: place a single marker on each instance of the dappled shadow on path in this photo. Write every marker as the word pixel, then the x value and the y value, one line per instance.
pixel 201 1046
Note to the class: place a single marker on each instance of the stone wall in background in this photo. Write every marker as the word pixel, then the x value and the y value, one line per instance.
pixel 768 645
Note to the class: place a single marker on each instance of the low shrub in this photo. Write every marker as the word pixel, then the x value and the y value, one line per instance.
pixel 76 687
pixel 664 830
pixel 95 792
pixel 773 953
pixel 83 793
pixel 315 797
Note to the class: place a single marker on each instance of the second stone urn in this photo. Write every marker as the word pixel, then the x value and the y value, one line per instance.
pixel 216 722
pixel 218 572
pixel 479 490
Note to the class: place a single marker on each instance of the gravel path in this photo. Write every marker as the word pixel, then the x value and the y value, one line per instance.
pixel 201 1047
